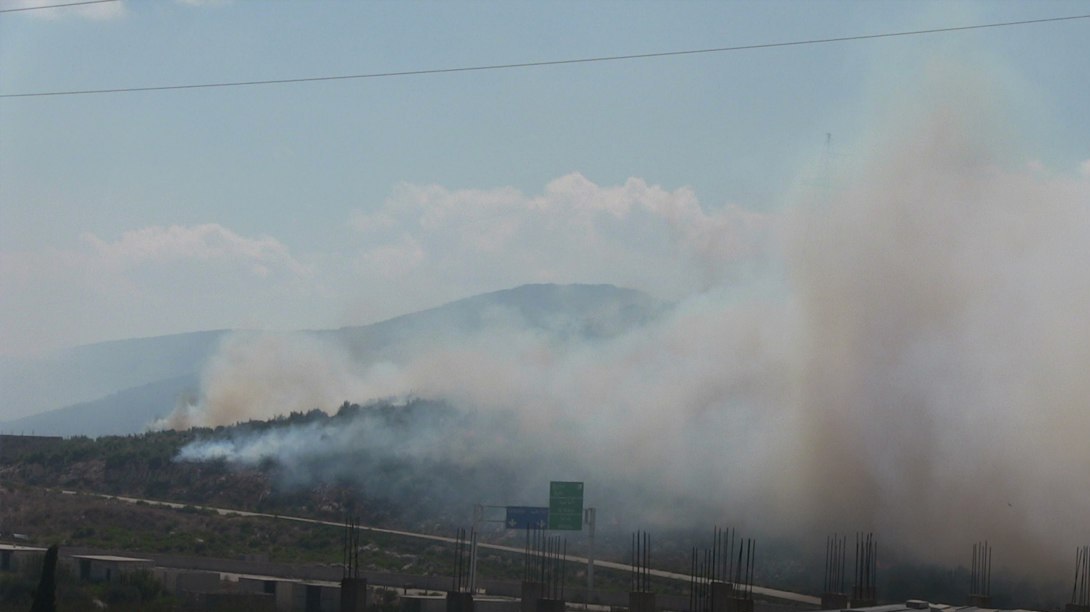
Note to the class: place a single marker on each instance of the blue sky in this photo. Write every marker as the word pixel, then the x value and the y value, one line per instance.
pixel 334 203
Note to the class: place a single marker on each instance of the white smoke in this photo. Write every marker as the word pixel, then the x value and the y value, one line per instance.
pixel 256 375
pixel 912 363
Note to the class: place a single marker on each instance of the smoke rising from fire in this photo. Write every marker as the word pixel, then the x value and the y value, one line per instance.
pixel 910 360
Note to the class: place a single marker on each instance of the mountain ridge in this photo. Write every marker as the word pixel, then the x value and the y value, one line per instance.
pixel 144 378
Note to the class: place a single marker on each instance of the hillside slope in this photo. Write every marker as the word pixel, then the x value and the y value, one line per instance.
pixel 121 413
pixel 94 371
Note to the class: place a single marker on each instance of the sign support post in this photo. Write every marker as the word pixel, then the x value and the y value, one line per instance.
pixel 588 516
pixel 478 516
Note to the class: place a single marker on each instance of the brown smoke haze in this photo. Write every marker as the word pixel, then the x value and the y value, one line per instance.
pixel 942 301
pixel 910 358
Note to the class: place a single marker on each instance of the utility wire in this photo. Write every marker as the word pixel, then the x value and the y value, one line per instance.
pixel 49 6
pixel 585 60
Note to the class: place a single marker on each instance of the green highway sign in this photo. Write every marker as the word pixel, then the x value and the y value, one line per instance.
pixel 566 522
pixel 566 506
pixel 565 489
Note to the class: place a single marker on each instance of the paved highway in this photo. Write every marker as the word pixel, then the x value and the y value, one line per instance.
pixel 765 591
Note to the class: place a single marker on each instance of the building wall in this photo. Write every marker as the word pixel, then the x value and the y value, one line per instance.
pixel 101 570
pixel 293 596
pixel 183 581
pixel 13 559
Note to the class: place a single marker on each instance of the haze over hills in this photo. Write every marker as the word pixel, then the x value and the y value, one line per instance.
pixel 125 412
pixel 120 387
pixel 90 372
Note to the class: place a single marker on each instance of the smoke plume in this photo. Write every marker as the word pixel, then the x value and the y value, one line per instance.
pixel 911 361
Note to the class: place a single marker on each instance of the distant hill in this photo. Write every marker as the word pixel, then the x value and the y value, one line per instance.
pixel 125 412
pixel 93 371
pixel 120 387
pixel 563 311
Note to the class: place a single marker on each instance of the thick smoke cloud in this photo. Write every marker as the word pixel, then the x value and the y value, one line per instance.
pixel 942 300
pixel 913 362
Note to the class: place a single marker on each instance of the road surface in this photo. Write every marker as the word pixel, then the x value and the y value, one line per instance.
pixel 757 590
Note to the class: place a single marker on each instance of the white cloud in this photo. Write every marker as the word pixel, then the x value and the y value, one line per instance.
pixel 149 281
pixel 208 242
pixel 394 259
pixel 634 234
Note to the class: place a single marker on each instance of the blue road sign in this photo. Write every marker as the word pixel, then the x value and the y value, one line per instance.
pixel 526 517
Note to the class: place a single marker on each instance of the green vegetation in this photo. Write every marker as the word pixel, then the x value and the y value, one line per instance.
pixel 146 466
pixel 110 524
pixel 32 485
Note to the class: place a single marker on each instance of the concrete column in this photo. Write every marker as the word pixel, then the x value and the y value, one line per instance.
pixel 353 595
pixel 459 602
pixel 531 593
pixel 550 605
pixel 739 604
pixel 834 601
pixel 980 601
pixel 721 594
pixel 641 601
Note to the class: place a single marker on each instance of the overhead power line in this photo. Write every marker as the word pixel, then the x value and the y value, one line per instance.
pixel 51 6
pixel 585 60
